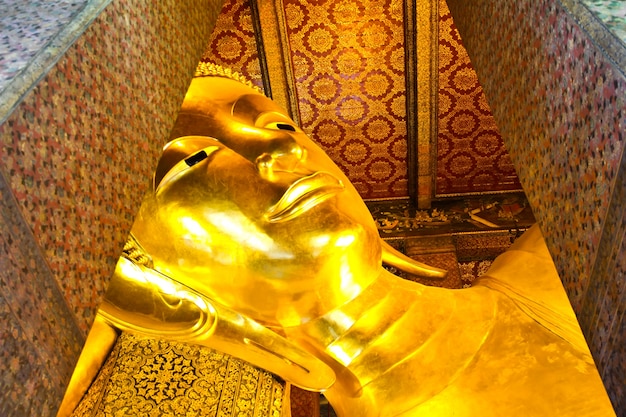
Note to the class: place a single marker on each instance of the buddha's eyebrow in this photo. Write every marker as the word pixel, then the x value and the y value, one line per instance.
pixel 251 105
pixel 245 107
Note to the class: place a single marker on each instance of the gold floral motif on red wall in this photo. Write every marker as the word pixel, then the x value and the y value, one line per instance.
pixel 232 44
pixel 348 66
pixel 348 63
pixel 471 156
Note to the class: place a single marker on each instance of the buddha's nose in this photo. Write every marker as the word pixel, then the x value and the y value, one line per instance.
pixel 283 156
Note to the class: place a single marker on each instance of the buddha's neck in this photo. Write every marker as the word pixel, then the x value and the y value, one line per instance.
pixel 383 308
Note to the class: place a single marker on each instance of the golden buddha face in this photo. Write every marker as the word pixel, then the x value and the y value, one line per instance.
pixel 250 212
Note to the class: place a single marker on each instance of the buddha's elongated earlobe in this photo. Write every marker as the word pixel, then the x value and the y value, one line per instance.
pixel 394 258
pixel 143 301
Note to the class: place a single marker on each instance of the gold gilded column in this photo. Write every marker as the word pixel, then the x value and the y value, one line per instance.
pixel 275 54
pixel 421 22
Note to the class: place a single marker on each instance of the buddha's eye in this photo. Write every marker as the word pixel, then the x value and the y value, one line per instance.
pixel 195 158
pixel 186 164
pixel 284 126
pixel 281 126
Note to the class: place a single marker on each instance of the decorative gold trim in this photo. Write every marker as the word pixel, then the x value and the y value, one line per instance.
pixel 440 197
pixel 134 252
pixel 209 69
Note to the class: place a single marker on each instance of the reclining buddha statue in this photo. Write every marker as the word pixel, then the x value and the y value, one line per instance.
pixel 255 244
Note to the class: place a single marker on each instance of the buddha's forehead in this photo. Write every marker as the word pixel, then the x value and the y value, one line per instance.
pixel 216 102
pixel 224 93
pixel 218 88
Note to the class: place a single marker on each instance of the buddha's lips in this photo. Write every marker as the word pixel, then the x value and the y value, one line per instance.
pixel 304 194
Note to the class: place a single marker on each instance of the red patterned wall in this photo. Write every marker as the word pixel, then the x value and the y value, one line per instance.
pixel 348 64
pixel 471 157
pixel 348 61
pixel 232 43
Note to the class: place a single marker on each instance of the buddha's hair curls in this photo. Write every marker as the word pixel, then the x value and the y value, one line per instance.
pixel 209 69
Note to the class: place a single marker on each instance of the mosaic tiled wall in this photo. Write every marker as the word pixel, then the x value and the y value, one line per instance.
pixel 33 35
pixel 560 104
pixel 77 155
pixel 471 156
pixel 612 13
pixel 26 29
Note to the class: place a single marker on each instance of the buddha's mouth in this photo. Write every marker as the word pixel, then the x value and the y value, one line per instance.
pixel 303 195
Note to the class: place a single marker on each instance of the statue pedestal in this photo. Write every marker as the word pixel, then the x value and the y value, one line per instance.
pixel 145 376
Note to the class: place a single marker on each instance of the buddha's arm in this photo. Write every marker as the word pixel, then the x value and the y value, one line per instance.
pixel 527 275
pixel 98 345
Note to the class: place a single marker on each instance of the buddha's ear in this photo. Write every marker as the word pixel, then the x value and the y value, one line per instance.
pixel 396 259
pixel 142 300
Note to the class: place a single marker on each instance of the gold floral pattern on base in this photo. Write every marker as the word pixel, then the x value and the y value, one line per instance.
pixel 152 377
